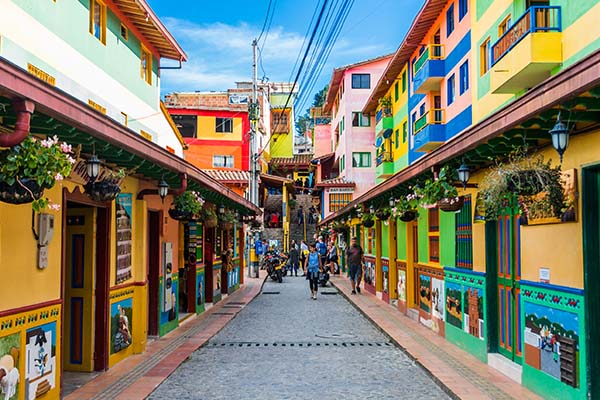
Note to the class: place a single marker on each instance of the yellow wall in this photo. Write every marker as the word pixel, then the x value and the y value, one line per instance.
pixel 580 34
pixel 282 145
pixel 207 126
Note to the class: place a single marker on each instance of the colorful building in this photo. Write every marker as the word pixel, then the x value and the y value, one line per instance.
pixel 511 282
pixel 87 284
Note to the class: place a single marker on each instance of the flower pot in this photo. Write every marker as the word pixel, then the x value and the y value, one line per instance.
pixel 451 205
pixel 408 216
pixel 368 223
pixel 526 183
pixel 382 215
pixel 226 226
pixel 211 222
pixel 102 190
pixel 21 192
pixel 180 215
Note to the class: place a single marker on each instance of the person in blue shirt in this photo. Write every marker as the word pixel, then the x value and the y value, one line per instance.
pixel 322 250
pixel 312 266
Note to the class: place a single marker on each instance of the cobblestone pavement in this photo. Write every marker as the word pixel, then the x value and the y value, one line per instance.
pixel 284 345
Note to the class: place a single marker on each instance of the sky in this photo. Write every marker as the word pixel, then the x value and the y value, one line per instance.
pixel 217 37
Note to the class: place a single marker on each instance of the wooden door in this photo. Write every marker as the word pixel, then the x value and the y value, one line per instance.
pixel 509 276
pixel 153 271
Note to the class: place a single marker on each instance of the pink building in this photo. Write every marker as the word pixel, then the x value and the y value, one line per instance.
pixel 352 133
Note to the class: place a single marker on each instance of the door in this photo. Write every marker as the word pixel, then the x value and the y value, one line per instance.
pixel 209 239
pixel 412 270
pixel 153 271
pixel 437 49
pixel 437 110
pixel 509 276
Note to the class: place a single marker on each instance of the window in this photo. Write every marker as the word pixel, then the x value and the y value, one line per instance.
pixel 98 20
pixel 404 131
pixel 343 163
pixel 504 26
pixel 360 119
pixel 464 236
pixel 433 234
pixel 450 20
pixel 124 119
pixel 404 81
pixel 422 110
pixel 484 57
pixel 361 81
pixel 361 160
pixel 397 138
pixel 342 124
pixel 464 77
pixel 337 201
pixel 224 125
pixel 124 32
pixel 463 8
pixel 280 122
pixel 146 66
pixel 450 89
pixel 222 161
pixel 396 94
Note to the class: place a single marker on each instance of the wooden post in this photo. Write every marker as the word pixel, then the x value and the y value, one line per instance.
pixel 241 247
pixel 393 254
pixel 378 269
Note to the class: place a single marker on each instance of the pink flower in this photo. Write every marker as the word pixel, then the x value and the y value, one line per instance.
pixel 54 206
pixel 58 176
pixel 66 148
pixel 71 160
pixel 47 143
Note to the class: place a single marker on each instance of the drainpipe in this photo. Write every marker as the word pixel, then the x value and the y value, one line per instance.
pixel 24 109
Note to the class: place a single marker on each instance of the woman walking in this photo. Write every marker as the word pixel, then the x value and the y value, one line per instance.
pixel 312 266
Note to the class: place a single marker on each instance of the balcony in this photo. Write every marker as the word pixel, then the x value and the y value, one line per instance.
pixel 384 164
pixel 383 122
pixel 428 70
pixel 429 131
pixel 528 52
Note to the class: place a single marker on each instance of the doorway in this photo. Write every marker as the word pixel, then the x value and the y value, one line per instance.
pixel 154 220
pixel 86 283
pixel 209 241
pixel 412 270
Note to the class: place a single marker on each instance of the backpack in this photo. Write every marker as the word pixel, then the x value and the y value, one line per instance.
pixel 322 248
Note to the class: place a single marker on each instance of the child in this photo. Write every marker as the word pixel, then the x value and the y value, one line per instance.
pixel 312 266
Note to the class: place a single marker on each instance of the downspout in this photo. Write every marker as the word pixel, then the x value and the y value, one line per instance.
pixel 24 109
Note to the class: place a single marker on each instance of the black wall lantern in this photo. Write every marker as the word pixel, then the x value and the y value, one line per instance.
pixel 392 202
pixel 93 167
pixel 464 173
pixel 371 209
pixel 221 209
pixel 560 137
pixel 163 189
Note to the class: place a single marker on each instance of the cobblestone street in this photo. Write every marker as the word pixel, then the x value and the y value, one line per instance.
pixel 284 345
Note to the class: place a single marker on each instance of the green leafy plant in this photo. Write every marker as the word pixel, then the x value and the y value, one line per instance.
pixel 367 219
pixel 228 217
pixel 189 202
pixel 293 203
pixel 438 189
pixel 537 184
pixel 386 103
pixel 34 160
pixel 406 204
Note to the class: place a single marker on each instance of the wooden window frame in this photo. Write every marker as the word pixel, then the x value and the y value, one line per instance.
pixel 504 25
pixel 126 30
pixel 484 57
pixel 92 19
pixel 433 235
pixel 146 70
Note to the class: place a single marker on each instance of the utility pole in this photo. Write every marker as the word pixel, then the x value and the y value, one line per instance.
pixel 254 113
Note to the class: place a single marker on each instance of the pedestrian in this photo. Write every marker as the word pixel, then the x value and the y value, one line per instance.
pixel 303 251
pixel 322 249
pixel 294 259
pixel 300 215
pixel 312 267
pixel 354 260
pixel 311 214
pixel 274 219
pixel 332 258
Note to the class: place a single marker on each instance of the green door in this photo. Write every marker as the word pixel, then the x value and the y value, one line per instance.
pixel 510 342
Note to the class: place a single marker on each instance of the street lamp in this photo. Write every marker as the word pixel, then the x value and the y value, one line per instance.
pixel 392 201
pixel 221 209
pixel 464 173
pixel 163 189
pixel 371 209
pixel 93 167
pixel 560 137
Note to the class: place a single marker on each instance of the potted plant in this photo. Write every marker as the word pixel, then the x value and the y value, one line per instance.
pixel 107 188
pixel 368 220
pixel 383 213
pixel 209 217
pixel 440 192
pixel 227 220
pixel 406 208
pixel 537 185
pixel 186 206
pixel 386 105
pixel 32 166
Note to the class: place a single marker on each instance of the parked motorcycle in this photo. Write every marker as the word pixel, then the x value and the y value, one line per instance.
pixel 275 267
pixel 324 276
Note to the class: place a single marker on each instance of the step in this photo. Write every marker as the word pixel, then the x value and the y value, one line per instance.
pixel 502 364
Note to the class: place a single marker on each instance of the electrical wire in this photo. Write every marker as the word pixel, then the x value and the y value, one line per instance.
pixel 266 20
pixel 269 24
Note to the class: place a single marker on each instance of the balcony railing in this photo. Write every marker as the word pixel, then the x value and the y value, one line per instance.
pixel 535 19
pixel 433 116
pixel 385 156
pixel 432 52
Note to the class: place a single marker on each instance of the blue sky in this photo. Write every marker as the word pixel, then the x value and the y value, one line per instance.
pixel 217 37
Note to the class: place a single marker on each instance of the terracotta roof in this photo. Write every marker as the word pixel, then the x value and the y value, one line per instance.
pixel 298 159
pixel 413 39
pixel 336 182
pixel 274 180
pixel 336 78
pixel 228 175
pixel 147 23
pixel 324 157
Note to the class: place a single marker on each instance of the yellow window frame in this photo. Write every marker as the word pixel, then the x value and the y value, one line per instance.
pixel 146 70
pixel 102 19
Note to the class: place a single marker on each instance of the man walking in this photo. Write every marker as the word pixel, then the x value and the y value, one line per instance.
pixel 354 260
pixel 294 259
pixel 300 215
pixel 322 250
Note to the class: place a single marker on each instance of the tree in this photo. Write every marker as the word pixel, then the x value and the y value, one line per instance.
pixel 305 122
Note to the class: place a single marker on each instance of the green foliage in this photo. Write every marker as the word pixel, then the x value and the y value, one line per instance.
pixel 435 190
pixel 207 213
pixel 385 102
pixel 228 216
pixel 189 202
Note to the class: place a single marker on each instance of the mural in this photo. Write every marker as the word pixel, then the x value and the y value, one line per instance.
pixel 473 312
pixel 402 285
pixel 216 283
pixel 200 288
pixel 120 326
pixel 369 277
pixel 10 351
pixel 123 223
pixel 454 304
pixel 40 371
pixel 425 292
pixel 552 341
pixel 437 304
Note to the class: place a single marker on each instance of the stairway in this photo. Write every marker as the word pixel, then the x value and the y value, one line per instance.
pixel 297 231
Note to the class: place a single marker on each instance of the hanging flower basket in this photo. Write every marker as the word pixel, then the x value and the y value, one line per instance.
pixel 451 204
pixel 180 215
pixel 226 226
pixel 21 191
pixel 211 222
pixel 106 190
pixel 383 214
pixel 408 216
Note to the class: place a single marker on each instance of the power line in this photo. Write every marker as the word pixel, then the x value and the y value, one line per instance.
pixel 266 19
pixel 269 24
